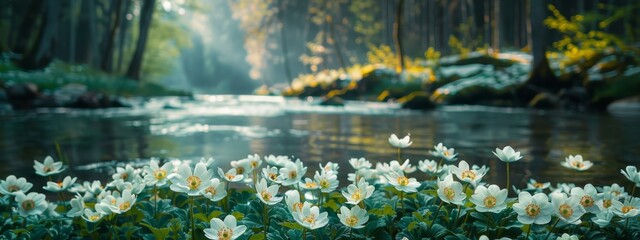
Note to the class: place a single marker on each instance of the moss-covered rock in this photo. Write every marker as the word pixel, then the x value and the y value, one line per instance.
pixel 417 100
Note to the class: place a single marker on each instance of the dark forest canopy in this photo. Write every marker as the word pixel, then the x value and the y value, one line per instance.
pixel 240 44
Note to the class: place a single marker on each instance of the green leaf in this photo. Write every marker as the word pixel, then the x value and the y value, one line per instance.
pixel 158 233
pixel 259 236
pixel 386 210
pixel 292 225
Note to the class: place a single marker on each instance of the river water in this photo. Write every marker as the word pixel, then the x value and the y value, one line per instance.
pixel 231 127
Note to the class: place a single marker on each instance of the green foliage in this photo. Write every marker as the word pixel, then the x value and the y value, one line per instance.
pixel 366 23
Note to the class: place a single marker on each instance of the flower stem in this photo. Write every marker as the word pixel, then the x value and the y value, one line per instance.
pixel 625 225
pixel 633 190
pixel 350 233
pixel 155 201
pixel 402 200
pixel 265 219
pixel 435 216
pixel 508 180
pixel 552 227
pixel 528 232
pixel 304 234
pixel 398 154
pixel 193 222
pixel 455 220
pixel 11 207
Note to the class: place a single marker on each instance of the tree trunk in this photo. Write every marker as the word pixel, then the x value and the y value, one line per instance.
pixel 86 33
pixel 27 25
pixel 283 39
pixel 335 43
pixel 146 14
pixel 107 54
pixel 397 34
pixel 122 35
pixel 41 54
pixel 541 76
pixel 495 25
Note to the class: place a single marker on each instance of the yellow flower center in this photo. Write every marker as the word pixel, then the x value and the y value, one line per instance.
pixel 47 169
pixel 293 174
pixel 449 193
pixel 577 164
pixel 94 218
pixel 266 195
pixel 13 188
pixel 124 206
pixel 297 207
pixel 565 210
pixel 538 185
pixel 606 203
pixel 468 174
pixel 490 202
pixel 310 185
pixel 532 210
pixel 240 170
pixel 28 205
pixel 324 183
pixel 229 176
pixel 357 195
pixel 403 181
pixel 351 220
pixel 193 182
pixel 59 184
pixel 124 176
pixel 311 219
pixel 273 176
pixel 160 174
pixel 211 190
pixel 586 201
pixel 254 164
pixel 626 209
pixel 617 193
pixel 446 153
pixel 225 233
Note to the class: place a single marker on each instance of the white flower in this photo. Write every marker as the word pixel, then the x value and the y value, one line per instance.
pixel 51 210
pixel 309 184
pixel 127 174
pixel 632 174
pixel 242 167
pixel 400 143
pixel 77 206
pixel 567 208
pixel 603 218
pixel 278 161
pixel 355 217
pixel 191 183
pixel 363 173
pixel 429 167
pixel 267 194
pixel 327 180
pixel 491 199
pixel 60 186
pixel 311 217
pixel 13 185
pixel 537 186
pixel 588 197
pixel 630 208
pixel 566 236
pixel 465 174
pixel 359 163
pixel 616 190
pixel 330 166
pixel 31 204
pixel 444 152
pixel 402 183
pixel 564 188
pixel 209 162
pixel 91 216
pixel 230 176
pixel 450 191
pixel 154 175
pixel 124 202
pixel 48 167
pixel 358 192
pixel 226 230
pixel 136 186
pixel 533 209
pixel 292 172
pixel 292 199
pixel 92 189
pixel 405 167
pixel 507 154
pixel 606 200
pixel 576 163
pixel 272 174
pixel 215 191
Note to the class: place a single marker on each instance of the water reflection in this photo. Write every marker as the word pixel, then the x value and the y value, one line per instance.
pixel 228 128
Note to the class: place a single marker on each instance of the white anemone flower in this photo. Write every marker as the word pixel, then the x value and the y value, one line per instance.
pixel 191 183
pixel 405 167
pixel 400 143
pixel 429 167
pixel 537 186
pixel 224 230
pixel 13 185
pixel 309 184
pixel 465 174
pixel 278 161
pixel 629 209
pixel 292 173
pixel 48 167
pixel 292 199
pixel 216 190
pixel 272 174
pixel 230 176
pixel 92 216
pixel 267 194
pixel 606 200
pixel 310 217
pixel 402 183
pixel 359 163
pixel 632 174
pixel 92 189
pixel 616 190
pixel 127 174
pixel 154 175
pixel 358 192
pixel 491 199
pixel 354 218
pixel 588 197
pixel 450 191
pixel 209 162
pixel 444 152
pixel 31 204
pixel 242 167
pixel 563 188
pixel 330 166
pixel 576 163
pixel 254 161
pixel 363 173
pixel 51 210
pixel 77 206
pixel 567 208
pixel 507 154
pixel 327 181
pixel 566 236
pixel 136 186
pixel 533 209
pixel 603 218
pixel 60 186
pixel 124 202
